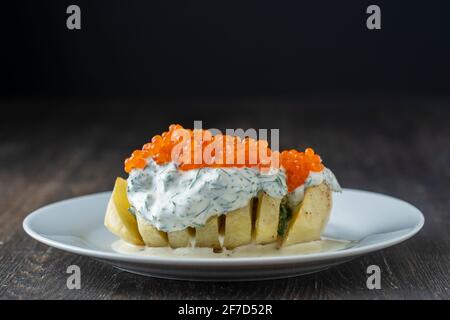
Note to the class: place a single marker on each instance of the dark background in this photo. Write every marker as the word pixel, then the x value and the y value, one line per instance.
pixel 374 104
pixel 224 49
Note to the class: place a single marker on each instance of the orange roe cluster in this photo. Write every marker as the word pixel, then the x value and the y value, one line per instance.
pixel 298 165
pixel 159 149
pixel 193 149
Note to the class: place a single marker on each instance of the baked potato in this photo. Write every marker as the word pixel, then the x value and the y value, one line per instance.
pixel 239 227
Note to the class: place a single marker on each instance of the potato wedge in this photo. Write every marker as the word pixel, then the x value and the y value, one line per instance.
pixel 179 239
pixel 118 219
pixel 267 217
pixel 151 236
pixel 309 220
pixel 208 235
pixel 238 227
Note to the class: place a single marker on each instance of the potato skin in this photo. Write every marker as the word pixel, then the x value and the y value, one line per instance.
pixel 310 219
pixel 118 219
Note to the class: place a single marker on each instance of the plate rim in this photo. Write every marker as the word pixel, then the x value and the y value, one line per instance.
pixel 211 262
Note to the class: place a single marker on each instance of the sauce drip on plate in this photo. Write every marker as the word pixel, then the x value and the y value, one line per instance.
pixel 252 250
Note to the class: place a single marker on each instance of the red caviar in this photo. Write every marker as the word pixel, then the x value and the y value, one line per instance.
pixel 298 165
pixel 193 149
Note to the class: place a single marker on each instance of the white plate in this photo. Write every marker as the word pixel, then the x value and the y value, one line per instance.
pixel 371 221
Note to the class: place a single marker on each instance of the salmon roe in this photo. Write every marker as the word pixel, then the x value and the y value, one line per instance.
pixel 193 149
pixel 298 165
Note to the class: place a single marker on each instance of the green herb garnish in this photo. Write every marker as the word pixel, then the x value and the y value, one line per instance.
pixel 285 217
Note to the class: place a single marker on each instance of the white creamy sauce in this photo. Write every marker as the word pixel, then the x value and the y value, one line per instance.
pixel 171 199
pixel 251 250
pixel 314 179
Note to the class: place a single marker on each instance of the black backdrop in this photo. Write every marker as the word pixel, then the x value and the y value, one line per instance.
pixel 216 48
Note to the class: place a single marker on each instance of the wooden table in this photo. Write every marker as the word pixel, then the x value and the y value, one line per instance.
pixel 67 148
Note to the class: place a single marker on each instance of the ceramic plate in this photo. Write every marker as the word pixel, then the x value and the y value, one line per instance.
pixel 369 221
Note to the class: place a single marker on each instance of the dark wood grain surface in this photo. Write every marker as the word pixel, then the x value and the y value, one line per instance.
pixel 64 149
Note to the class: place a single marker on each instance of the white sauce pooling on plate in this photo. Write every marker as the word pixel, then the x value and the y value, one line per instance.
pixel 171 199
pixel 251 250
